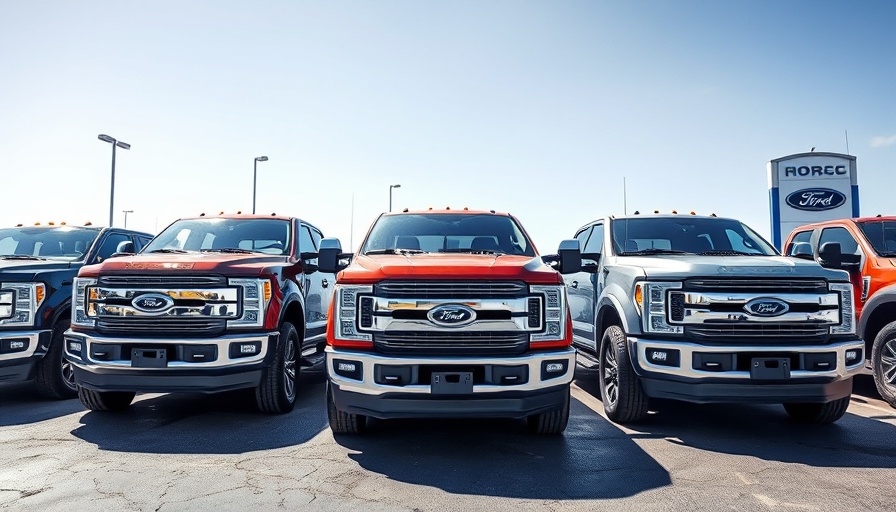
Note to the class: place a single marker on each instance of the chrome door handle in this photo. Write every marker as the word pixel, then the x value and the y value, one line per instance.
pixel 574 284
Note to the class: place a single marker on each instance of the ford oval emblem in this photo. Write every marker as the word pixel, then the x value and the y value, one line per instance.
pixel 816 199
pixel 451 315
pixel 152 303
pixel 766 307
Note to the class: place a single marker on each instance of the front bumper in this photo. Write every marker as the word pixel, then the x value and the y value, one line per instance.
pixel 712 373
pixel 400 387
pixel 106 363
pixel 20 351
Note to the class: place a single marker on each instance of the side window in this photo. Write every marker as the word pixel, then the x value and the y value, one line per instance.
pixel 583 237
pixel 595 243
pixel 317 236
pixel 848 244
pixel 306 241
pixel 110 245
pixel 803 237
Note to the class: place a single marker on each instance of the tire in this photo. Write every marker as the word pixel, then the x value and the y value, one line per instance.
pixel 624 399
pixel 105 400
pixel 342 422
pixel 55 377
pixel 819 414
pixel 551 422
pixel 883 363
pixel 277 392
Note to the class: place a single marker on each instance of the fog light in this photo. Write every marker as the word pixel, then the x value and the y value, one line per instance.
pixel 349 369
pixel 243 349
pixel 74 347
pixel 853 355
pixel 553 369
pixel 13 345
pixel 16 345
pixel 663 356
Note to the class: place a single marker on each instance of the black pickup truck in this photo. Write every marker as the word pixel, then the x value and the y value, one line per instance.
pixel 37 267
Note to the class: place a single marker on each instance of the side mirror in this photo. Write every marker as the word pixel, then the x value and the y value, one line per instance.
pixel 569 256
pixel 829 255
pixel 330 258
pixel 590 262
pixel 126 247
pixel 308 263
pixel 802 250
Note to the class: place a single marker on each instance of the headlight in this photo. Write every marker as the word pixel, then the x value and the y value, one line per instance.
pixel 256 295
pixel 19 303
pixel 81 302
pixel 847 309
pixel 653 311
pixel 554 298
pixel 345 324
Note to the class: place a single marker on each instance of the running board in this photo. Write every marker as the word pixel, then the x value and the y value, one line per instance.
pixel 312 359
pixel 588 361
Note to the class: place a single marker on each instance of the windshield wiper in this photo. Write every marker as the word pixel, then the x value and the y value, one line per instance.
pixel 230 250
pixel 395 251
pixel 474 251
pixel 169 251
pixel 728 253
pixel 653 251
pixel 21 257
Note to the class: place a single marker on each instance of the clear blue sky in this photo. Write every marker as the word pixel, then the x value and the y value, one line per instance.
pixel 536 108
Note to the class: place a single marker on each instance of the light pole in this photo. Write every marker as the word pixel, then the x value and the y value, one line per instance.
pixel 255 177
pixel 122 145
pixel 126 212
pixel 390 194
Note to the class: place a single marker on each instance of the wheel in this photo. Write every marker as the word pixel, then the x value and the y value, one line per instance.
pixel 342 422
pixel 55 376
pixel 883 362
pixel 551 422
pixel 624 399
pixel 827 412
pixel 105 400
pixel 277 392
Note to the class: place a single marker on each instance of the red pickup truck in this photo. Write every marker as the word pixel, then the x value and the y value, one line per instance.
pixel 448 314
pixel 866 248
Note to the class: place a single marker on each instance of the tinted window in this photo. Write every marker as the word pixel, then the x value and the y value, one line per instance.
pixel 881 235
pixel 110 245
pixel 688 234
pixel 803 237
pixel 306 242
pixel 270 236
pixel 596 241
pixel 317 236
pixel 848 244
pixel 62 242
pixel 445 232
pixel 582 238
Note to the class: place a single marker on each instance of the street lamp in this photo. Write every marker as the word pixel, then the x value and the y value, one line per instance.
pixel 122 145
pixel 390 195
pixel 255 177
pixel 126 212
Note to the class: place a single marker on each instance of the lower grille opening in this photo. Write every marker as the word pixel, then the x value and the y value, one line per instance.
pixel 451 343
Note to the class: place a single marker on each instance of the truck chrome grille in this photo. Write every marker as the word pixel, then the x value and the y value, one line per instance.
pixel 148 326
pixel 163 280
pixel 451 343
pixel 757 285
pixel 758 333
pixel 451 289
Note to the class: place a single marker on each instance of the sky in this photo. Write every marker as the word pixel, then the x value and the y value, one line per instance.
pixel 559 112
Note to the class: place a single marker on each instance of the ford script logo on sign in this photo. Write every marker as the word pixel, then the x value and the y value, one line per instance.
pixel 766 307
pixel 816 199
pixel 152 303
pixel 451 315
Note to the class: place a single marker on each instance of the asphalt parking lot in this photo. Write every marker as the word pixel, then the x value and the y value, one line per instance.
pixel 195 452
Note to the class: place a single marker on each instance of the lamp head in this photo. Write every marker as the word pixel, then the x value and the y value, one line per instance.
pixel 106 138
pixel 261 159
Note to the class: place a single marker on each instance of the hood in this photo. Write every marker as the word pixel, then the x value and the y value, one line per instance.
pixel 32 270
pixel 685 266
pixel 191 263
pixel 370 269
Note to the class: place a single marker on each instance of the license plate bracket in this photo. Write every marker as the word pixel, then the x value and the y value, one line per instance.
pixel 770 368
pixel 452 383
pixel 149 358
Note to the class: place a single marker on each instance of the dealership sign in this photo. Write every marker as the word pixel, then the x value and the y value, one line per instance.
pixel 811 187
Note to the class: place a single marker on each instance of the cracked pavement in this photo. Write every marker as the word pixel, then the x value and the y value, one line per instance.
pixel 201 452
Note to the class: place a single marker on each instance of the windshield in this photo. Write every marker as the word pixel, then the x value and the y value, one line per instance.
pixel 268 236
pixel 687 235
pixel 445 232
pixel 57 243
pixel 881 235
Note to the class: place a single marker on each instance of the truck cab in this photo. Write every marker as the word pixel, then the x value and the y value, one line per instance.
pixel 213 303
pixel 448 314
pixel 37 266
pixel 866 248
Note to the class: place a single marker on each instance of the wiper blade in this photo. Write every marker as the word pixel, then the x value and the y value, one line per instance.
pixel 395 251
pixel 168 251
pixel 729 253
pixel 230 250
pixel 22 257
pixel 653 251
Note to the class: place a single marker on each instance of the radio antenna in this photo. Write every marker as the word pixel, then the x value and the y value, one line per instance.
pixel 846 133
pixel 624 199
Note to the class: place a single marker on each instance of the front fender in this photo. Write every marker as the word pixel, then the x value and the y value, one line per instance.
pixel 885 295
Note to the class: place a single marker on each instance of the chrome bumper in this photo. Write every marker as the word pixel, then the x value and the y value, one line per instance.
pixel 368 386
pixel 842 370
pixel 22 344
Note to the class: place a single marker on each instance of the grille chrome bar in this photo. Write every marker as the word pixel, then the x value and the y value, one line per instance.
pixel 463 342
pixel 758 285
pixel 162 280
pixel 451 289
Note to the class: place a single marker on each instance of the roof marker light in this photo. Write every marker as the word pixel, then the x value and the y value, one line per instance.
pixel 493 211
pixel 405 210
pixel 239 212
pixel 51 223
pixel 220 213
pixel 656 211
pixel 693 213
pixel 202 214
pixel 447 208
pixel 637 212
pixel 18 225
pixel 88 223
pixel 37 223
pixel 712 215
pixel 675 212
